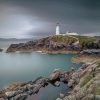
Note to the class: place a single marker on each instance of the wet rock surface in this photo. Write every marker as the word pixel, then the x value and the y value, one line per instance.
pixel 22 91
pixel 25 89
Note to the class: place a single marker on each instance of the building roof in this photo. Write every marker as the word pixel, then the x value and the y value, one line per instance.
pixel 71 33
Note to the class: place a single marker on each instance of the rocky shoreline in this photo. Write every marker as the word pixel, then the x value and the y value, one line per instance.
pixel 88 87
pixel 88 55
pixel 23 90
pixel 72 78
pixel 75 79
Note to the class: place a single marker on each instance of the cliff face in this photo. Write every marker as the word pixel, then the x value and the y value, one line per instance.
pixel 58 43
pixel 51 43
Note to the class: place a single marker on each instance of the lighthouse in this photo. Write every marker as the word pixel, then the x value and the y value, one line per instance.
pixel 57 29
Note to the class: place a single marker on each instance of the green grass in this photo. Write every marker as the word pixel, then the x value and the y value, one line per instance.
pixel 85 42
pixel 98 65
pixel 61 38
pixel 97 91
pixel 85 80
pixel 88 42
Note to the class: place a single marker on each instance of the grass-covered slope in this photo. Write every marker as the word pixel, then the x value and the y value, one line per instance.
pixel 89 42
pixel 61 38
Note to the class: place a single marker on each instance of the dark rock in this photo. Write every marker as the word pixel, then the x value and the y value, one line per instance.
pixel 1 50
pixel 41 81
pixel 36 88
pixel 20 97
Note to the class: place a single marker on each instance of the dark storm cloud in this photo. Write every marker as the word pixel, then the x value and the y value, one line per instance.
pixel 41 16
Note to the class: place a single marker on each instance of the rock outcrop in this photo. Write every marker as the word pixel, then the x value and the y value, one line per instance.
pixel 23 90
pixel 87 56
pixel 57 44
pixel 49 44
pixel 55 74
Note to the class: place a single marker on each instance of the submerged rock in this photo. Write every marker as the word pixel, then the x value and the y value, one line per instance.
pixel 61 95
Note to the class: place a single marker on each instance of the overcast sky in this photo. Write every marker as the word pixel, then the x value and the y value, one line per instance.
pixel 29 18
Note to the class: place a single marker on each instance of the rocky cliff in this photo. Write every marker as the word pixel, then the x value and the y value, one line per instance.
pixel 48 44
pixel 57 44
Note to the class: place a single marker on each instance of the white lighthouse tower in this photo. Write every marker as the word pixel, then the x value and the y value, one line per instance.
pixel 57 29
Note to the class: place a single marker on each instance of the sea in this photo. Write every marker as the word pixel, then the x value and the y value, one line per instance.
pixel 27 66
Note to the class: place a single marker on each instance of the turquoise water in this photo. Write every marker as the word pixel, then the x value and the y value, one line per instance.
pixel 25 67
pixel 28 66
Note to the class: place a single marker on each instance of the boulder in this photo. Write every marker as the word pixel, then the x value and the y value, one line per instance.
pixel 10 94
pixel 71 83
pixel 55 74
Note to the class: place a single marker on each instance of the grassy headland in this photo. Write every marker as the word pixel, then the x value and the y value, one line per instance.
pixel 58 44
